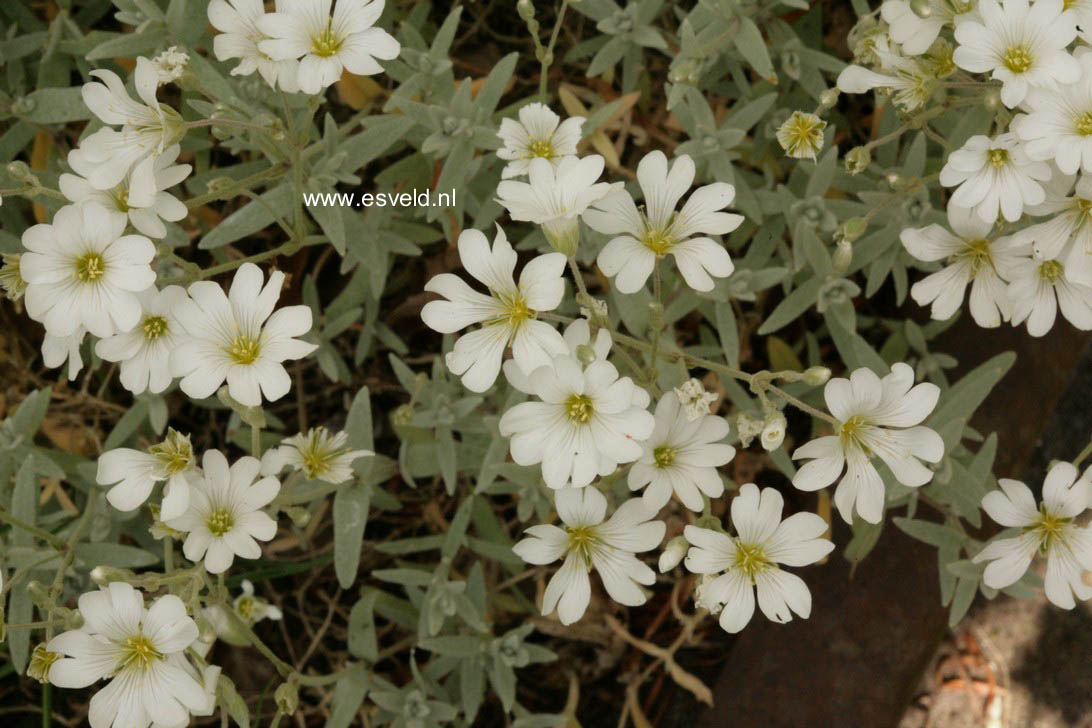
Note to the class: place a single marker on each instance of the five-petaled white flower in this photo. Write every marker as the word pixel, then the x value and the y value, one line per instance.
pixel 81 271
pixel 327 45
pixel 1070 220
pixel 239 36
pixel 912 81
pixel 133 473
pixel 141 650
pixel 681 456
pixel 586 542
pixel 644 237
pixel 1039 288
pixel 145 350
pixel 555 196
pixel 801 135
pixel 538 133
pixel 1024 45
pixel 229 337
pixel 1048 530
pixel 972 256
pixel 1059 124
pixel 140 198
pixel 867 408
pixel 750 559
pixel 508 314
pixel 586 424
pixel 994 175
pixel 318 454
pixel 224 518
pixel 147 129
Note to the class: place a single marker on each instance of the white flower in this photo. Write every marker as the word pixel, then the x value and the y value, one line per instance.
pixel 695 400
pixel 750 560
pixel 681 456
pixel 538 133
pixel 229 337
pixel 508 314
pixel 170 64
pixel 1059 124
pixel 56 350
pixel 773 430
pixel 133 473
pixel 1038 288
pixel 141 650
pixel 1071 220
pixel 994 174
pixel 911 81
pixel 347 41
pixel 250 609
pixel 801 135
pixel 914 33
pixel 586 542
pixel 140 198
pixel 144 351
pixel 555 196
pixel 973 256
pixel 866 408
pixel 239 36
pixel 147 128
pixel 1047 529
pixel 224 516
pixel 585 425
pixel 643 237
pixel 320 455
pixel 81 271
pixel 1023 45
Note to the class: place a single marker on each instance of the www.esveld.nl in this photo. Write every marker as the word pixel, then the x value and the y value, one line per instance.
pixel 415 198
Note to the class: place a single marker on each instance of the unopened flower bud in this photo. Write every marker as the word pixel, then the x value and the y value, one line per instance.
pixel 287 698
pixel 858 159
pixel 922 8
pixel 843 256
pixel 673 553
pixel 20 172
pixel 816 376
pixel 525 9
pixel 585 354
pixel 773 432
pixel 828 98
pixel 853 228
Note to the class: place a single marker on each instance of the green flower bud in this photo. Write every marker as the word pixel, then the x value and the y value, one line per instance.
pixel 287 698
pixel 816 376
pixel 858 159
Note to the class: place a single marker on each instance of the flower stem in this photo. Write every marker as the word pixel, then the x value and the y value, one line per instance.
pixel 53 540
pixel 1084 454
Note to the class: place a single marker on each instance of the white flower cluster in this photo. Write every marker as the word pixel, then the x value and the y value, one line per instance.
pixel 1036 167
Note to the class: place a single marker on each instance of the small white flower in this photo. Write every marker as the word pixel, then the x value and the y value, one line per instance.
pixel 1039 288
pixel 750 560
pixel 141 650
pixel 914 33
pixel 56 350
pixel 1059 124
pixel 328 45
pixel 587 542
pixel 320 455
pixel 251 609
pixel 801 135
pixel 11 278
pixel 867 408
pixel 538 133
pixel 555 196
pixel 145 350
pixel 1071 220
pixel 170 64
pixel 81 271
pixel 695 400
pixel 643 237
pixel 239 36
pixel 973 256
pixel 508 314
pixel 1047 529
pixel 681 456
pixel 911 81
pixel 224 516
pixel 140 198
pixel 229 337
pixel 147 128
pixel 134 473
pixel 585 425
pixel 773 431
pixel 994 174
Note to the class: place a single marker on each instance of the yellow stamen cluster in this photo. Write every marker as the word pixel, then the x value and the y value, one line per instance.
pixel 977 252
pixel 850 433
pixel 542 148
pixel 664 456
pixel 244 349
pixel 1051 271
pixel 1017 59
pixel 579 408
pixel 154 327
pixel 326 44
pixel 1049 528
pixel 138 653
pixel 220 521
pixel 583 541
pixel 998 157
pixel 750 559
pixel 90 267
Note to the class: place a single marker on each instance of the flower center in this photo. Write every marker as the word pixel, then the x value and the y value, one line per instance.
pixel 245 607
pixel 154 327
pixel 664 456
pixel 583 540
pixel 1017 59
pixel 122 199
pixel 1050 529
pixel 175 453
pixel 998 157
pixel 139 653
pixel 1051 270
pixel 658 241
pixel 220 521
pixel 976 251
pixel 542 148
pixel 516 310
pixel 314 463
pixel 244 349
pixel 579 408
pixel 326 43
pixel 850 433
pixel 750 559
pixel 90 267
pixel 1084 124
